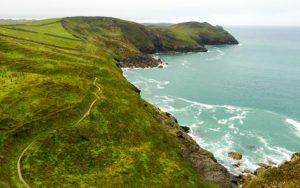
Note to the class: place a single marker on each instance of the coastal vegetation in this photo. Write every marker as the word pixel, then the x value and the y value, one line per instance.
pixel 285 175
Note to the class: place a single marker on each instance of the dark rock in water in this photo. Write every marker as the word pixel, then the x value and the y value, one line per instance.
pixel 186 129
pixel 160 66
pixel 168 114
pixel 235 155
pixel 251 148
pixel 236 165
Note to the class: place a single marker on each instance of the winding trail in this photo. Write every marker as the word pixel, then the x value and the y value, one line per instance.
pixel 92 104
pixel 77 123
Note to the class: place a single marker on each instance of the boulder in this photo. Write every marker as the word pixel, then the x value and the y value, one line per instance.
pixel 236 165
pixel 186 129
pixel 172 117
pixel 295 157
pixel 235 155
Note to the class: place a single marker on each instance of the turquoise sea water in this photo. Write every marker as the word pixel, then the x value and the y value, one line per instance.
pixel 243 98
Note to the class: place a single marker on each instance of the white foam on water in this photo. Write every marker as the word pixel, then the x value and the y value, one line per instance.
pixel 184 63
pixel 229 119
pixel 158 84
pixel 295 124
pixel 220 52
pixel 222 121
pixel 206 106
pixel 231 126
pixel 215 130
pixel 275 153
pixel 167 108
pixel 235 117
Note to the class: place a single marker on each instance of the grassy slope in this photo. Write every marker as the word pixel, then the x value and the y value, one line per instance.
pixel 285 176
pixel 46 86
pixel 202 33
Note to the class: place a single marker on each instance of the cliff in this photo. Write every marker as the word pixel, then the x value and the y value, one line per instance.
pixel 131 42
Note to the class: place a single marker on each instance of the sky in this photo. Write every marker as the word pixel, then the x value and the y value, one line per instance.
pixel 222 12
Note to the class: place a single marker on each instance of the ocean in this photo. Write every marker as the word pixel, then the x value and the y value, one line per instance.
pixel 242 98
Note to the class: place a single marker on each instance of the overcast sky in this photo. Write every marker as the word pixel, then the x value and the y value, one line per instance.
pixel 223 12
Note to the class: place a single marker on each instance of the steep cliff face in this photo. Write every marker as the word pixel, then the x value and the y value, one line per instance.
pixel 202 161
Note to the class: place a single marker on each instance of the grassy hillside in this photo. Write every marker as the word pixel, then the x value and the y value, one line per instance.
pixel 129 38
pixel 286 175
pixel 50 73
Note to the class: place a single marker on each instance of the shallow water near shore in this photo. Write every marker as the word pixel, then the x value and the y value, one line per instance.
pixel 243 98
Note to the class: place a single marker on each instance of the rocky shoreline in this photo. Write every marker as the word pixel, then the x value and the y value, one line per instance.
pixel 202 160
pixel 139 61
pixel 148 60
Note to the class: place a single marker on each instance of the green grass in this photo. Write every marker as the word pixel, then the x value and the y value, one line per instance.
pixel 47 86
pixel 205 33
pixel 49 32
pixel 285 176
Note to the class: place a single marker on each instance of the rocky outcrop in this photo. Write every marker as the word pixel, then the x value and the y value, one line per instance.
pixel 210 41
pixel 185 49
pixel 186 129
pixel 141 61
pixel 147 60
pixel 202 160
pixel 295 157
pixel 235 155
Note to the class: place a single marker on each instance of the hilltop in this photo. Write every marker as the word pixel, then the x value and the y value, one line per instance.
pixel 69 118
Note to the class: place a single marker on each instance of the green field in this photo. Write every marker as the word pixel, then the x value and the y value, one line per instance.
pixel 47 74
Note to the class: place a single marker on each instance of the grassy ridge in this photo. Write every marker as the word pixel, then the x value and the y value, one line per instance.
pixel 47 85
